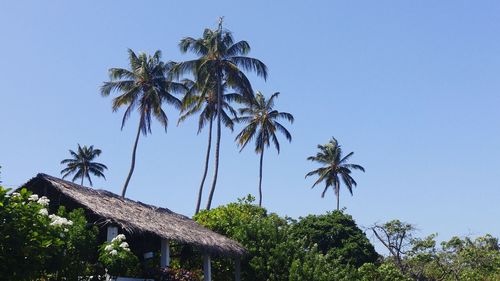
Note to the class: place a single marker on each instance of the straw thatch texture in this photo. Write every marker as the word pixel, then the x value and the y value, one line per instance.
pixel 137 217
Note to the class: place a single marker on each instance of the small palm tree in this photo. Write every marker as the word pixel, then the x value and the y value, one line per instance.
pixel 202 98
pixel 262 124
pixel 334 167
pixel 221 60
pixel 82 165
pixel 144 87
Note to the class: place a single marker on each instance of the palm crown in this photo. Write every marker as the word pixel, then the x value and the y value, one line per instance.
pixel 145 86
pixel 202 100
pixel 335 167
pixel 219 66
pixel 262 124
pixel 82 165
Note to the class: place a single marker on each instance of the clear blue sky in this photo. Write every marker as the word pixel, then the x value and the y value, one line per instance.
pixel 413 87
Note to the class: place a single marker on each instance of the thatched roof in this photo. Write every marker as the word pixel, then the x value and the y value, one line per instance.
pixel 137 217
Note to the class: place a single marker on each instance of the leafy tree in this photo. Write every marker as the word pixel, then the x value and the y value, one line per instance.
pixel 263 235
pixel 202 98
pixel 144 86
pixel 82 164
pixel 335 234
pixel 456 259
pixel 262 124
pixel 396 237
pixel 222 60
pixel 335 166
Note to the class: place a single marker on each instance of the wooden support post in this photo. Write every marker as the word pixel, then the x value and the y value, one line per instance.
pixel 207 268
pixel 112 232
pixel 165 253
pixel 237 269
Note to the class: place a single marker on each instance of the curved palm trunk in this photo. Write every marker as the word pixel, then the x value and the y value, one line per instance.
pixel 260 177
pixel 207 160
pixel 132 166
pixel 83 176
pixel 337 191
pixel 217 144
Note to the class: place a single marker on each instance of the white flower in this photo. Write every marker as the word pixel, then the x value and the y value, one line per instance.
pixel 58 221
pixel 33 197
pixel 119 237
pixel 44 201
pixel 124 245
pixel 66 230
pixel 43 212
pixel 113 253
pixel 108 248
pixel 16 194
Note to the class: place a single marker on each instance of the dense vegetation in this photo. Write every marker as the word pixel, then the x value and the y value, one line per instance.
pixel 39 245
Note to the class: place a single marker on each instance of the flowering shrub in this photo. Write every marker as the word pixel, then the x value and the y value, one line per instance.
pixel 174 274
pixel 35 244
pixel 117 258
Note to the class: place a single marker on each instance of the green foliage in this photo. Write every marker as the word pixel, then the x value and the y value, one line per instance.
pixel 384 272
pixel 335 234
pixel 280 249
pixel 80 257
pixel 310 264
pixel 421 259
pixel 263 234
pixel 117 258
pixel 36 245
pixel 460 259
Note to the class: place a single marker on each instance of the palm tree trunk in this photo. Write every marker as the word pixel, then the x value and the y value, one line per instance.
pixel 132 166
pixel 207 160
pixel 83 175
pixel 337 190
pixel 217 144
pixel 260 177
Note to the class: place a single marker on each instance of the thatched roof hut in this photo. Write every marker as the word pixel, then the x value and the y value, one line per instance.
pixel 134 217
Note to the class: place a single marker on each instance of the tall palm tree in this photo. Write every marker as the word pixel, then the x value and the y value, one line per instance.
pixel 82 164
pixel 334 167
pixel 144 86
pixel 202 99
pixel 222 60
pixel 262 124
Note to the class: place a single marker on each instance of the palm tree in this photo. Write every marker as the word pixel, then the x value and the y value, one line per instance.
pixel 144 87
pixel 221 60
pixel 203 98
pixel 82 164
pixel 334 167
pixel 261 118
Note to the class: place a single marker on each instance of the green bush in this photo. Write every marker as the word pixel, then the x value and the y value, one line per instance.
pixel 335 234
pixel 37 245
pixel 117 258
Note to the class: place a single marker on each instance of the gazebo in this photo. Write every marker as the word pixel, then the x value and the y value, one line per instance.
pixel 149 227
